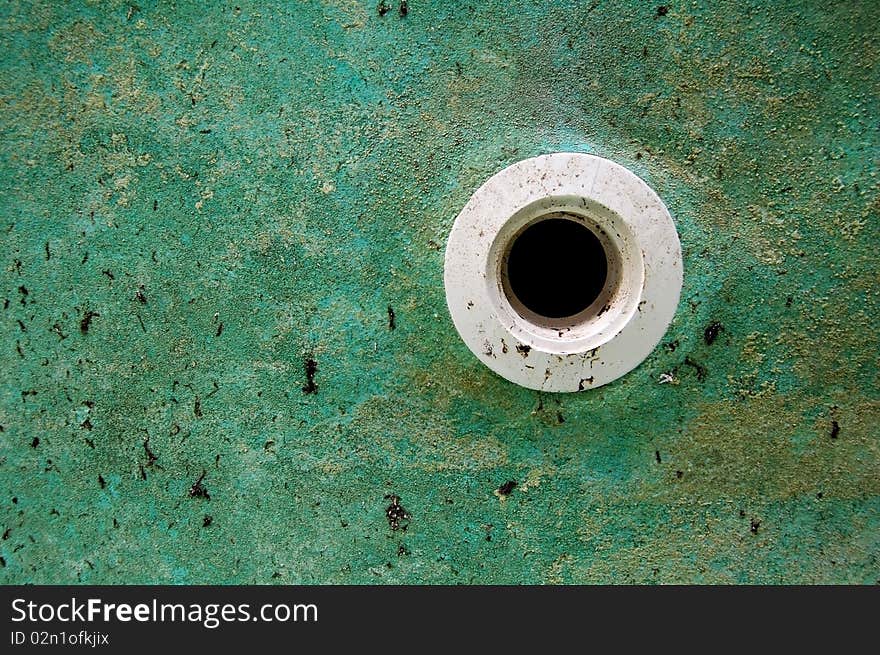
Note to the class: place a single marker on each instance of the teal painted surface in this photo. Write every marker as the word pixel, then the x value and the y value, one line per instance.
pixel 198 198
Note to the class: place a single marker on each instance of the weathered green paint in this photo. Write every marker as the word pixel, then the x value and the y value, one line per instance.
pixel 288 173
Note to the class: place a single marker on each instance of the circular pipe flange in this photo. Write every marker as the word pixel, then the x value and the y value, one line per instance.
pixel 563 272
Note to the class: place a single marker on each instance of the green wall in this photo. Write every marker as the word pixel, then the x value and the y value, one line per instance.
pixel 197 199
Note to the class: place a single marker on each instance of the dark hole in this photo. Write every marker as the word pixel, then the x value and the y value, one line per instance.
pixel 556 267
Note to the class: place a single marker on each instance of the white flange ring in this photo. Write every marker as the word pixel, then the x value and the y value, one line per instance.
pixel 501 315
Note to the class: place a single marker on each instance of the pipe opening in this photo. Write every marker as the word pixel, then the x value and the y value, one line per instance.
pixel 556 267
